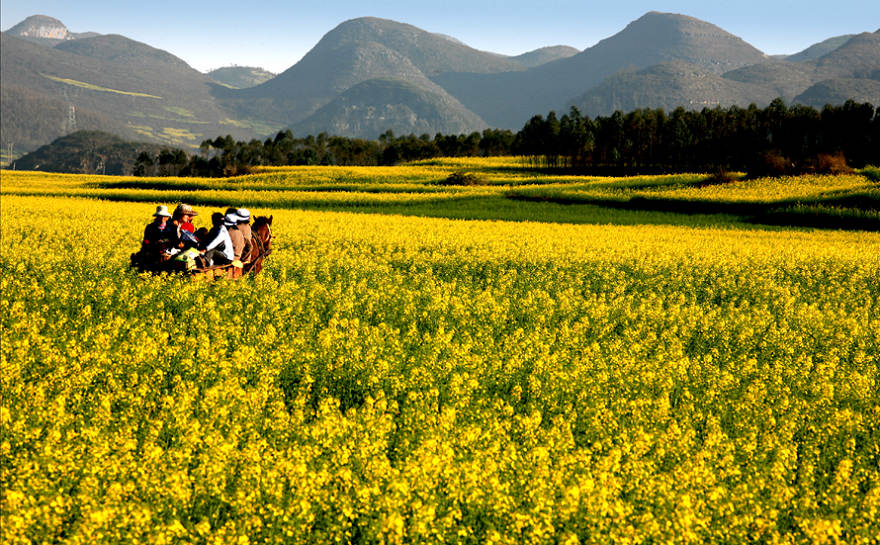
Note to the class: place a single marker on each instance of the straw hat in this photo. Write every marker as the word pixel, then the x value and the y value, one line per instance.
pixel 185 210
pixel 162 211
pixel 244 214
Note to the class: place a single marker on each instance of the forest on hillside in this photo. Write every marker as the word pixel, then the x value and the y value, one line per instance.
pixel 778 139
pixel 775 140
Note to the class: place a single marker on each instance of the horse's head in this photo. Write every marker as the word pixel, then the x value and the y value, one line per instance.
pixel 262 230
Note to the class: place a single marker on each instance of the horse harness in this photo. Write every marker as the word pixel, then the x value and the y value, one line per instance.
pixel 263 248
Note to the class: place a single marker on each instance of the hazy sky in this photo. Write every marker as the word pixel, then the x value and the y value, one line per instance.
pixel 274 34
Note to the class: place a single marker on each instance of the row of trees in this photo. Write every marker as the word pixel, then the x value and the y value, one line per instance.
pixel 225 156
pixel 775 139
pixel 752 139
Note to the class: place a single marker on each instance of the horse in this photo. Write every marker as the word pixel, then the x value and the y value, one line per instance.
pixel 261 245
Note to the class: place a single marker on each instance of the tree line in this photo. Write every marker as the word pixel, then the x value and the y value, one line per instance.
pixel 777 139
pixel 225 156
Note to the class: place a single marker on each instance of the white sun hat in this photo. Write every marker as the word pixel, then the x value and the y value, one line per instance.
pixel 162 211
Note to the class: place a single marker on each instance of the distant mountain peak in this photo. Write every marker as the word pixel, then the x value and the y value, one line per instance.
pixel 662 37
pixel 545 54
pixel 430 52
pixel 46 30
pixel 820 49
pixel 240 77
pixel 41 26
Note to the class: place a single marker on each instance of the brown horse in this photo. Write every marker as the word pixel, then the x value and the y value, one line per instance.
pixel 261 245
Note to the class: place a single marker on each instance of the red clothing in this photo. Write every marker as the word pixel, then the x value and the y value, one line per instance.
pixel 188 226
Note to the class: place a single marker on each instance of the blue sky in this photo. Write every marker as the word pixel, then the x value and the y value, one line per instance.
pixel 275 34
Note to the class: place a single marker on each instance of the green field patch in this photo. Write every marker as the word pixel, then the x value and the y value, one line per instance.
pixel 259 127
pixel 157 117
pixel 93 87
pixel 179 135
pixel 144 130
pixel 843 202
pixel 182 112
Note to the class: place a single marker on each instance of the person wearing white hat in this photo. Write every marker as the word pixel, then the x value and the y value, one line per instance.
pixel 244 225
pixel 154 233
pixel 231 221
pixel 218 250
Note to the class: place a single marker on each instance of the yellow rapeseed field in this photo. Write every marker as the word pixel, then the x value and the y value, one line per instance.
pixel 401 379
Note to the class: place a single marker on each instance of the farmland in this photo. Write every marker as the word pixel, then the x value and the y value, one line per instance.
pixel 535 359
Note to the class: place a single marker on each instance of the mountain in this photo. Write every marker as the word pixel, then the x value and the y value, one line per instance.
pixel 31 118
pixel 323 74
pixel 431 53
pixel 545 55
pixel 859 57
pixel 369 75
pixel 367 49
pixel 240 77
pixel 106 82
pixel 851 71
pixel 839 90
pixel 667 86
pixel 359 50
pixel 46 30
pixel 848 70
pixel 820 49
pixel 507 100
pixel 369 108
pixel 779 78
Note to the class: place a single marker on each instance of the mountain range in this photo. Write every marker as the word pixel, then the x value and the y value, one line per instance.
pixel 369 75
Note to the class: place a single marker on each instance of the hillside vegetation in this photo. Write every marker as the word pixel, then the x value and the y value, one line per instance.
pixel 370 75
pixel 107 83
pixel 88 152
pixel 368 108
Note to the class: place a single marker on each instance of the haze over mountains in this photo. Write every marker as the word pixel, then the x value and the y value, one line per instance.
pixel 369 75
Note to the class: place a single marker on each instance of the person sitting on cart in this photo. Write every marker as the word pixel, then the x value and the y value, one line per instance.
pixel 244 225
pixel 181 245
pixel 218 249
pixel 155 232
pixel 186 214
pixel 180 229
pixel 231 221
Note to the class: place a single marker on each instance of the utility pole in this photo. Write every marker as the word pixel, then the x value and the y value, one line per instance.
pixel 71 114
pixel 71 118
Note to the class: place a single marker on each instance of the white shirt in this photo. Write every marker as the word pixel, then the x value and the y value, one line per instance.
pixel 222 238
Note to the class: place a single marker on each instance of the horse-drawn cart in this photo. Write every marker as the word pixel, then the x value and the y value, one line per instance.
pixel 252 263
